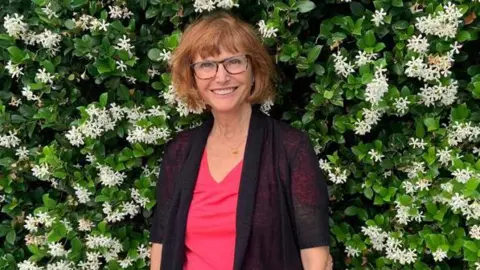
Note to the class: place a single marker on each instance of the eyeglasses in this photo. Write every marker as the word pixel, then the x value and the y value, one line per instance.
pixel 208 69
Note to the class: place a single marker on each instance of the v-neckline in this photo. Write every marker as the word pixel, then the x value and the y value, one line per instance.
pixel 226 175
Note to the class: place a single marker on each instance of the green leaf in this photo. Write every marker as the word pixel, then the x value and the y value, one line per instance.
pixel 463 36
pixel 305 6
pixel 351 211
pixel 49 67
pixel 431 123
pixel 49 203
pixel 70 24
pixel 78 3
pixel 103 99
pixel 419 129
pixel 313 53
pixel 357 9
pixel 16 54
pixel 370 39
pixel 11 236
pixel 397 3
pixel 307 117
pixel 460 113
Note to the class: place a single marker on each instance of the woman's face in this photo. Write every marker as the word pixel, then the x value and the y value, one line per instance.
pixel 227 89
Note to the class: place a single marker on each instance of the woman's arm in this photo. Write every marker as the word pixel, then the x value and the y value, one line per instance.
pixel 155 256
pixel 316 258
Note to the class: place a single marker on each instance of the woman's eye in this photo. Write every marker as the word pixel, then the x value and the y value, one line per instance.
pixel 207 65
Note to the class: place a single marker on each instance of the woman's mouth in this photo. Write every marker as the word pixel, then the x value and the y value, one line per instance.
pixel 224 91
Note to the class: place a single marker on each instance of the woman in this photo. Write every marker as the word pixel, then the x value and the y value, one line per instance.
pixel 242 191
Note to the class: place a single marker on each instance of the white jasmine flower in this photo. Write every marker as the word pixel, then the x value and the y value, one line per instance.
pixel 448 187
pixel 417 143
pixel 424 184
pixel 110 178
pixel 337 176
pixel 130 209
pixel 142 201
pixel 375 155
pixel 226 4
pixel 463 175
pixel 444 156
pixel 42 171
pixel 121 65
pixel 49 12
pixel 49 40
pixel 378 17
pixel 266 106
pixel 164 55
pixel 26 92
pixel 410 188
pixel 364 58
pixel 152 72
pixel 458 201
pixel 28 265
pixel 455 48
pixel 143 252
pixel 415 169
pixel 43 76
pixel 418 44
pixel 115 12
pixel 377 236
pixel 14 70
pixel 265 30
pixel 342 68
pixel 125 263
pixel 377 87
pixel 124 44
pixel 401 105
pixel 22 153
pixel 75 136
pixel 84 225
pixel 204 5
pixel 131 79
pixel 475 232
pixel 2 198
pixel 460 132
pixel 15 26
pixel 9 141
pixel 82 193
pixel 445 94
pixel 126 13
pixel 351 251
pixel 57 250
pixel 443 24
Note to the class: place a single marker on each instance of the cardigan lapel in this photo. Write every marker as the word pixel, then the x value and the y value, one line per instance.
pixel 248 186
pixel 187 178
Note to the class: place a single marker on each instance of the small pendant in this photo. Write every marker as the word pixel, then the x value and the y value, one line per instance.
pixel 235 152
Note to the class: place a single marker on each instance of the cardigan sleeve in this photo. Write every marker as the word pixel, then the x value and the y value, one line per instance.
pixel 164 193
pixel 309 197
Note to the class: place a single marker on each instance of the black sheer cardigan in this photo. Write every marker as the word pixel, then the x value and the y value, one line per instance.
pixel 282 202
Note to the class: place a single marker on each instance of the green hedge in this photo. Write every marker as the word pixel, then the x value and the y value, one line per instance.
pixel 387 90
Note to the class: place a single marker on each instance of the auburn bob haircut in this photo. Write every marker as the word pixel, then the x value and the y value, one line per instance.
pixel 206 37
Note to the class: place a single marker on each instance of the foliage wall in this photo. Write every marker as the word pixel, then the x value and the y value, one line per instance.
pixel 387 90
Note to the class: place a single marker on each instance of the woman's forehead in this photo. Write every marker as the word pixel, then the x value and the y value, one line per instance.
pixel 219 54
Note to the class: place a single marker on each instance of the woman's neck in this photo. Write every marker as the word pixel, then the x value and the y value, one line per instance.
pixel 232 124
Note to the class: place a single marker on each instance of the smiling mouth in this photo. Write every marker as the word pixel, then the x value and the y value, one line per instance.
pixel 224 91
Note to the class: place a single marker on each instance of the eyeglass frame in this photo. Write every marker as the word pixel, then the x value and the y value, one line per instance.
pixel 217 63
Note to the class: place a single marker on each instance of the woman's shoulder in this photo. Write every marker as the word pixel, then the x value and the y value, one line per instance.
pixel 288 132
pixel 180 142
pixel 290 137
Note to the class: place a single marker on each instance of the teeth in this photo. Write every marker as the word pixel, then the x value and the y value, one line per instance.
pixel 225 91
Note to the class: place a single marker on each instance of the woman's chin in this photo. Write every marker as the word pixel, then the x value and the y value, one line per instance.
pixel 225 107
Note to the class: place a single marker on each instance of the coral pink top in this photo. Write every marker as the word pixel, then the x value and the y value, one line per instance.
pixel 210 232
